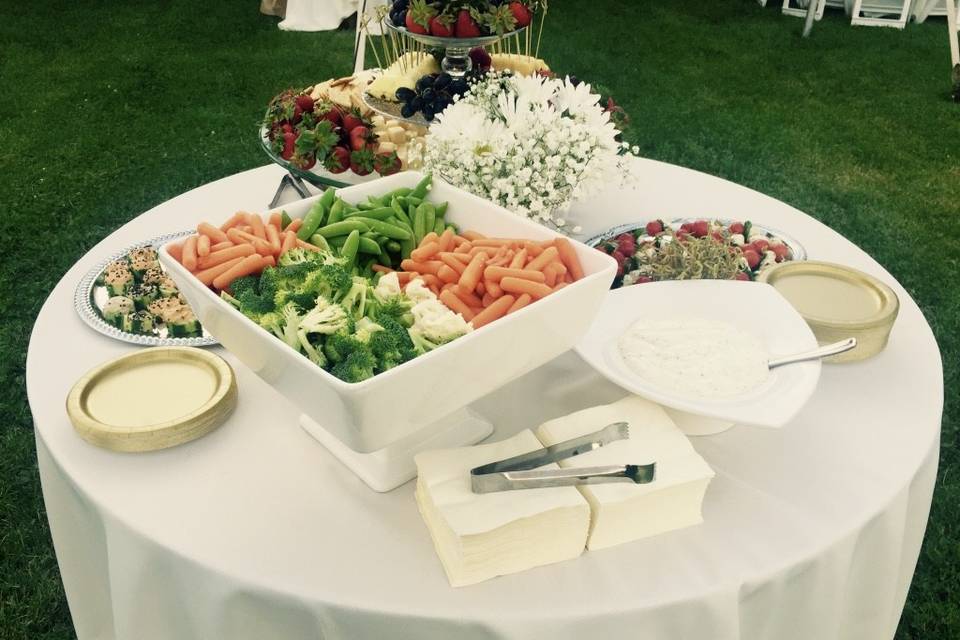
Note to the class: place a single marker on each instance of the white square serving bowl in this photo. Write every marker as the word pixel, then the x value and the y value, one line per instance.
pixel 373 414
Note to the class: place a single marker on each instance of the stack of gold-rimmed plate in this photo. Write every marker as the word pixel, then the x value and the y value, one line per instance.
pixel 152 399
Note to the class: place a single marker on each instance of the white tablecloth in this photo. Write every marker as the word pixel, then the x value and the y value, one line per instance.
pixel 255 532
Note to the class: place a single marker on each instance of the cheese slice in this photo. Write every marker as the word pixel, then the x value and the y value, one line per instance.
pixel 405 72
pixel 520 64
pixel 621 512
pixel 480 536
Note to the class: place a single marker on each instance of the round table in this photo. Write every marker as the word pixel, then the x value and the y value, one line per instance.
pixel 255 531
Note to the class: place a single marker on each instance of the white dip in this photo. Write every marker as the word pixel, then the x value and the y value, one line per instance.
pixel 695 357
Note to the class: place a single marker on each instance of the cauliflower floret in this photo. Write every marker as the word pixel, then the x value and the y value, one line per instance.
pixel 417 291
pixel 388 286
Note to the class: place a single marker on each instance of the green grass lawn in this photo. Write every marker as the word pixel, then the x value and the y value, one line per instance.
pixel 107 109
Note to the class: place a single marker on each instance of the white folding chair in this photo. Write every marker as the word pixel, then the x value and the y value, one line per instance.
pixel 881 13
pixel 953 28
pixel 801 8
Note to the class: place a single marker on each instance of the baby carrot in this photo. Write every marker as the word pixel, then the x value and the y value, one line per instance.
pixel 447 275
pixel 497 309
pixel 207 275
pixel 450 259
pixel 468 297
pixel 233 221
pixel 497 273
pixel 430 266
pixel 190 253
pixel 492 288
pixel 431 280
pixel 550 275
pixel 273 237
pixel 459 240
pixel 446 239
pixel 269 261
pixel 238 236
pixel 216 235
pixel 519 259
pixel 295 225
pixel 536 290
pixel 308 246
pixel 487 300
pixel 472 235
pixel 219 257
pixel 456 305
pixel 250 264
pixel 256 224
pixel 430 237
pixel 491 242
pixel 289 241
pixel 176 251
pixel 220 246
pixel 471 275
pixel 481 290
pixel 425 251
pixel 549 255
pixel 522 301
pixel 381 268
pixel 275 220
pixel 568 255
pixel 533 249
pixel 203 246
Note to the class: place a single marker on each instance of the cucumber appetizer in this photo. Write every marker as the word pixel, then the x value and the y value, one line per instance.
pixel 142 299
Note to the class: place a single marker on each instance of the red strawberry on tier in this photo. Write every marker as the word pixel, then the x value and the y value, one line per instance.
pixel 521 13
pixel 360 137
pixel 418 17
pixel 327 111
pixel 441 26
pixel 386 163
pixel 289 143
pixel 305 103
pixel 466 26
pixel 338 161
pixel 361 162
pixel 351 120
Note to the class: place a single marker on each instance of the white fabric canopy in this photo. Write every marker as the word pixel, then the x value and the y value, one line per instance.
pixel 321 15
pixel 254 532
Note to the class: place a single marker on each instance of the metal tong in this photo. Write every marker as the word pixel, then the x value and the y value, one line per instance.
pixel 521 472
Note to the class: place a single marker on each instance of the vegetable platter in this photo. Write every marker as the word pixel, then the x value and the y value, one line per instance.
pixel 694 249
pixel 129 297
pixel 385 307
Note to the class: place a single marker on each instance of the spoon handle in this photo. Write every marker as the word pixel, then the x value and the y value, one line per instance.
pixel 815 354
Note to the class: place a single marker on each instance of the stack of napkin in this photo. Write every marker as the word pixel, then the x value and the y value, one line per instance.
pixel 480 536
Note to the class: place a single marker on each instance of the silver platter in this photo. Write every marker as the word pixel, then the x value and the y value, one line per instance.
pixel 89 298
pixel 797 252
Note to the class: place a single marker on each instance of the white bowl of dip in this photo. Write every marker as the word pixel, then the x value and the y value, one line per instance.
pixel 681 344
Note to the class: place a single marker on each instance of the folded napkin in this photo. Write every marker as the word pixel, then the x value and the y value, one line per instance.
pixel 480 536
pixel 621 512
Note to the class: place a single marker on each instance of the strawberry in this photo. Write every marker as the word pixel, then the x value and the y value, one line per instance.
pixel 781 251
pixel 642 279
pixel 717 236
pixel 305 103
pixel 700 228
pixel 361 162
pixel 360 137
pixel 654 227
pixel 304 162
pixel 681 235
pixel 327 111
pixel 742 275
pixel 289 140
pixel 752 258
pixel 481 59
pixel 736 227
pixel 521 13
pixel 466 26
pixel 441 26
pixel 286 127
pixel 351 120
pixel 626 244
pixel 338 161
pixel 760 245
pixel 621 261
pixel 386 163
pixel 418 17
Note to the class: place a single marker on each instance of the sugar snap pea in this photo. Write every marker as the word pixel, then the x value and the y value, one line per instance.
pixel 429 217
pixel 381 213
pixel 350 246
pixel 419 224
pixel 318 240
pixel 420 191
pixel 314 217
pixel 337 210
pixel 387 229
pixel 393 246
pixel 441 209
pixel 344 227
pixel 438 227
pixel 285 220
pixel 366 245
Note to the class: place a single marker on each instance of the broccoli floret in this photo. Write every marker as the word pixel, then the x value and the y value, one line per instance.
pixel 296 255
pixel 395 307
pixel 325 318
pixel 357 366
pixel 273 322
pixel 313 351
pixel 340 345
pixel 290 296
pixel 244 284
pixel 290 315
pixel 331 281
pixel 392 345
pixel 355 302
pixel 365 328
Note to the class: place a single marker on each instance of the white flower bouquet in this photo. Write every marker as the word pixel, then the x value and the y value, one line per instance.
pixel 532 144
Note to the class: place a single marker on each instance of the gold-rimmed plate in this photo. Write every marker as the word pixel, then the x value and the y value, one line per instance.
pixel 152 399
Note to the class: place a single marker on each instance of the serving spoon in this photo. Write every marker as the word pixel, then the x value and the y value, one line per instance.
pixel 814 354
